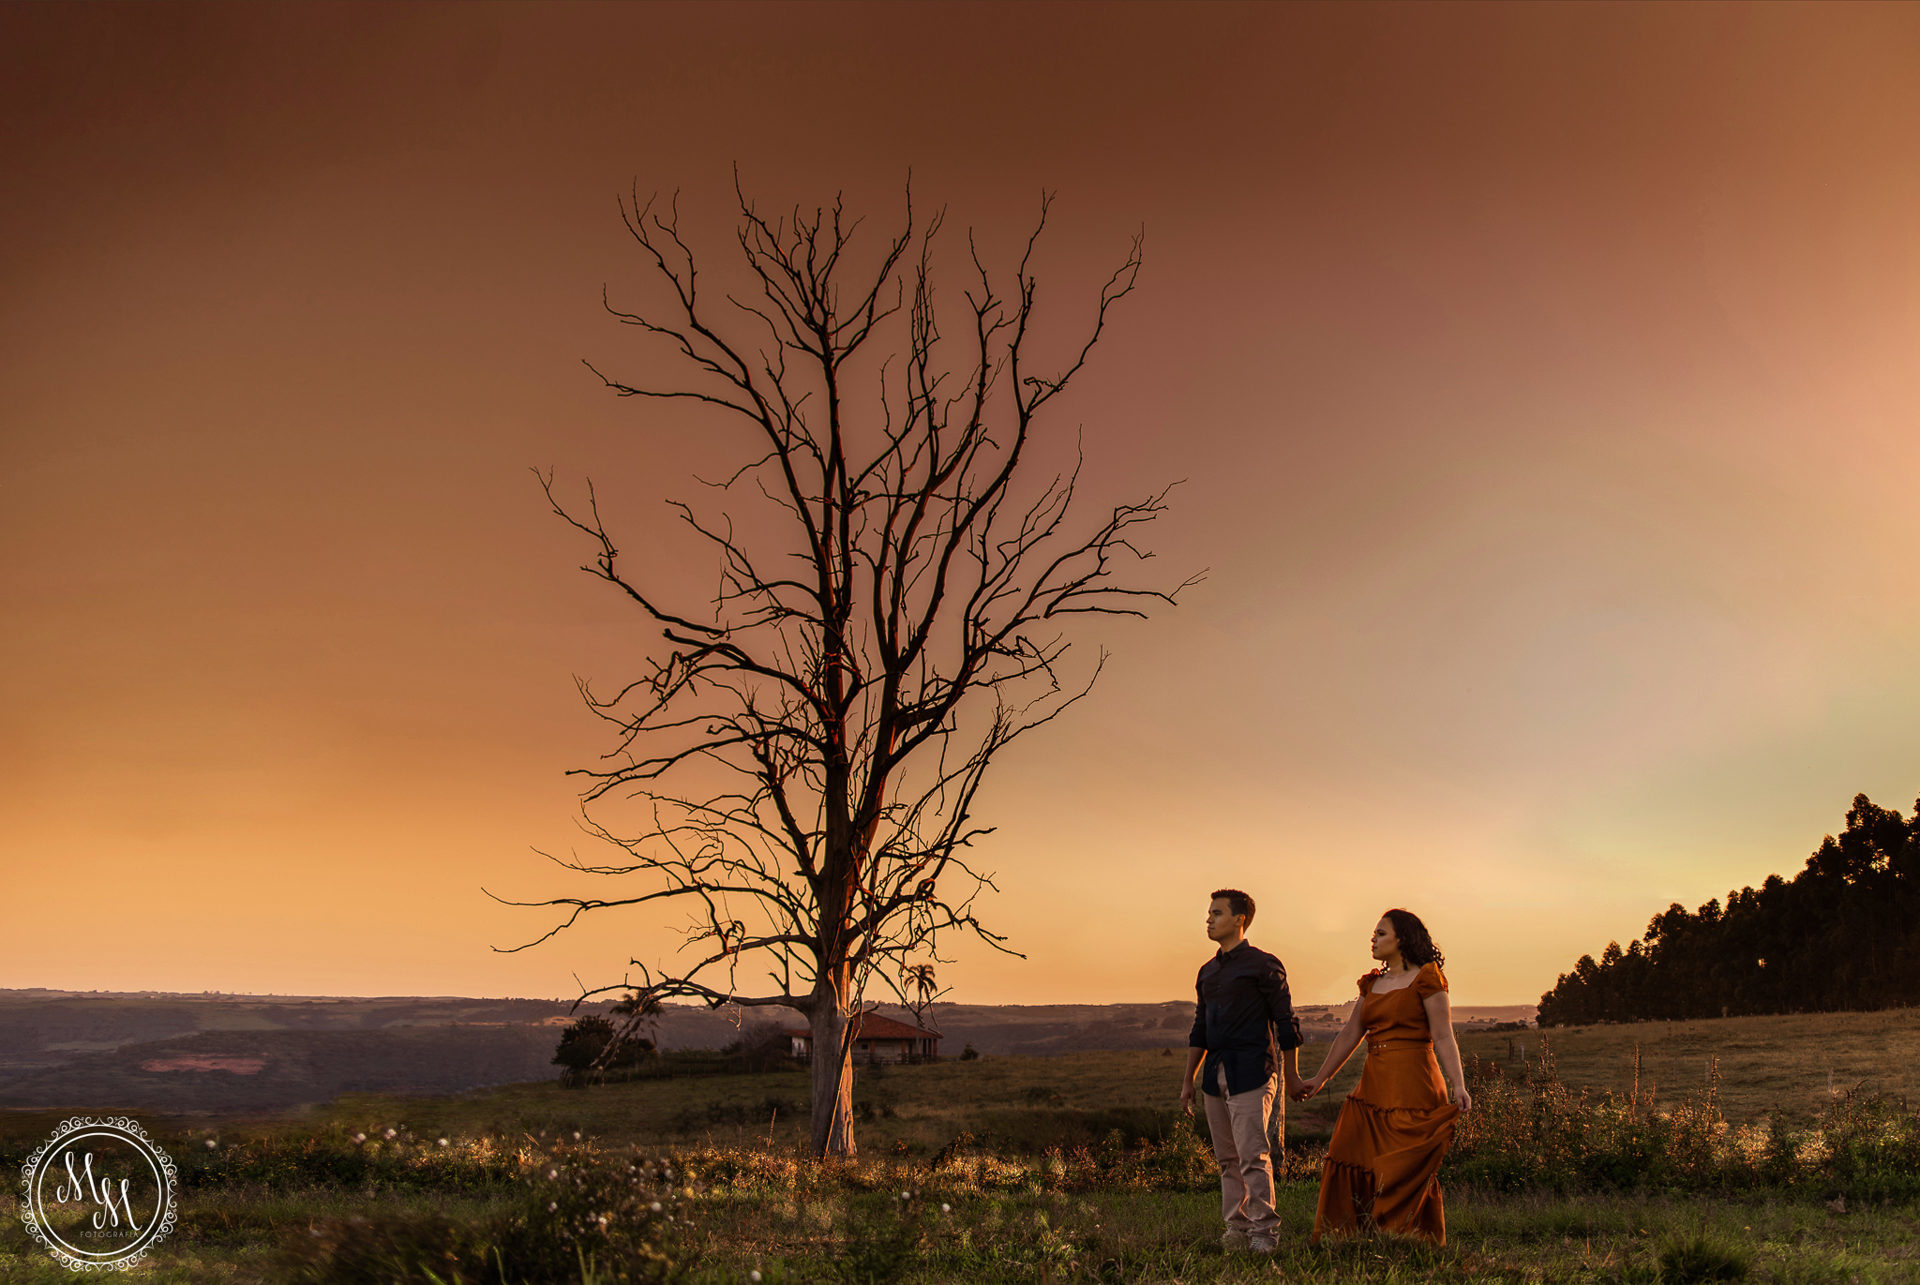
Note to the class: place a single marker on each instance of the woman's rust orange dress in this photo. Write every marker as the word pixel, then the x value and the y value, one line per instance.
pixel 1383 1164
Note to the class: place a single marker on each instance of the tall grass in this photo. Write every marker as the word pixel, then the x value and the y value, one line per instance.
pixel 1530 1131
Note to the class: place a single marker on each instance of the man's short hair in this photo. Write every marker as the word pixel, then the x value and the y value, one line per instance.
pixel 1238 903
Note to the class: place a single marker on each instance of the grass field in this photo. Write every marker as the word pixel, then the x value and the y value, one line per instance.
pixel 1789 1064
pixel 1765 1065
pixel 1056 1169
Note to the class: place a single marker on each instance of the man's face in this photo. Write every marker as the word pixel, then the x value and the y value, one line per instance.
pixel 1222 923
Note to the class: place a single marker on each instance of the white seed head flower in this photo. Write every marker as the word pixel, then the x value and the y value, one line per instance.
pixel 576 1135
pixel 656 1206
pixel 754 1275
pixel 945 1208
pixel 552 1174
pixel 552 1205
pixel 388 1134
pixel 443 1142
pixel 359 1137
pixel 211 1144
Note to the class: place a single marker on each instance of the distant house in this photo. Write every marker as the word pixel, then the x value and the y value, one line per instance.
pixel 878 1039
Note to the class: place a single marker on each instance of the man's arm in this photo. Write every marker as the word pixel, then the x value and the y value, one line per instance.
pixel 1196 1047
pixel 1286 1027
pixel 1194 1058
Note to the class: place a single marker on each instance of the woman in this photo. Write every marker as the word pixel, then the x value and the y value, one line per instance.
pixel 1384 1161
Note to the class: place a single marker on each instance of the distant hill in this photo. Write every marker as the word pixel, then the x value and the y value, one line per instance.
pixel 222 1053
pixel 188 1054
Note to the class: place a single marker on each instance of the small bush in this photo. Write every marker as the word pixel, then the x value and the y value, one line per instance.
pixel 608 1218
pixel 1872 1147
pixel 1701 1260
pixel 593 1046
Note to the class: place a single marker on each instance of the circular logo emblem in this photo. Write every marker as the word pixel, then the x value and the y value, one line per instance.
pixel 99 1194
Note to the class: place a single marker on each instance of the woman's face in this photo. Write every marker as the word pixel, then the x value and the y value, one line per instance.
pixel 1385 942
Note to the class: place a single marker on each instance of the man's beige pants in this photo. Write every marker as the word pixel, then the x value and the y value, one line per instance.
pixel 1238 1124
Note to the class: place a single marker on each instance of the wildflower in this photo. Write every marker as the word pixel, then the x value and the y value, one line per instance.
pixel 656 1206
pixel 576 1135
pixel 211 1144
pixel 388 1135
pixel 905 1196
pixel 552 1205
pixel 359 1137
pixel 552 1174
pixel 443 1142
pixel 754 1275
pixel 945 1208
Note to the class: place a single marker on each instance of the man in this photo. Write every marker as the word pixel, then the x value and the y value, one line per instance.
pixel 1243 1010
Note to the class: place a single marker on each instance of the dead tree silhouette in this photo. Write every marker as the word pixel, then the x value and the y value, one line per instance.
pixel 858 700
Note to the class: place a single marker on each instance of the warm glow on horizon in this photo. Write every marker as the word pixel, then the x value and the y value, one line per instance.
pixel 1543 380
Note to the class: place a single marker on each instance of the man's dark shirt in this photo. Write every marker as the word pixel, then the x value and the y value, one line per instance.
pixel 1243 1010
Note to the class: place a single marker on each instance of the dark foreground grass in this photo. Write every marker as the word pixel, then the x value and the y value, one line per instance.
pixel 989 1220
pixel 1546 1183
pixel 355 1209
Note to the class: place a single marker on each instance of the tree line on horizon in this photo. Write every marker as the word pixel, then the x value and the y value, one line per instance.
pixel 1844 933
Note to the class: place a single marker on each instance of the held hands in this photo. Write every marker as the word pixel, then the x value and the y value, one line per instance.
pixel 1301 1090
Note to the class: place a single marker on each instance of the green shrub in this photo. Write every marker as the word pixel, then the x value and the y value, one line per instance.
pixel 592 1046
pixel 581 1214
pixel 1872 1147
pixel 1701 1260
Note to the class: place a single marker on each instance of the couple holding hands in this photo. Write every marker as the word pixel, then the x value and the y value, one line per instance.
pixel 1383 1163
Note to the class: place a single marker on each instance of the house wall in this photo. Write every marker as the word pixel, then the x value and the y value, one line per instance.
pixel 873 1050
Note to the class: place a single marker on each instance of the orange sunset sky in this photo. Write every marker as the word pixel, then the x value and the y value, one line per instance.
pixel 1544 379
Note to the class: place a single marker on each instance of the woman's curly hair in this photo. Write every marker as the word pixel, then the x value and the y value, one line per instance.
pixel 1416 943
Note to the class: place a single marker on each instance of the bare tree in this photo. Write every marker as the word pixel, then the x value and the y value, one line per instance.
pixel 858 680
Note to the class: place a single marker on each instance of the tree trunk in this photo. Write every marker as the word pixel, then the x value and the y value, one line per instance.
pixel 832 1074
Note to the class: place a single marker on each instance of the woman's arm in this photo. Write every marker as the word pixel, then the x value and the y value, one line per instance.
pixel 1440 1023
pixel 1343 1046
